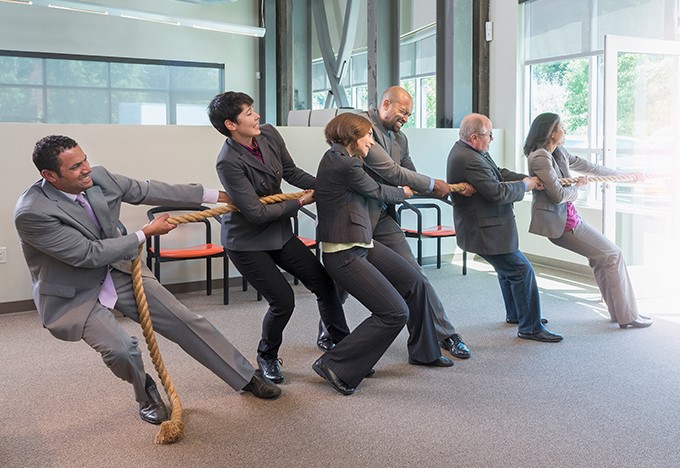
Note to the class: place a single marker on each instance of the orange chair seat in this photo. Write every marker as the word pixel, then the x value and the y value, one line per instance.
pixel 196 251
pixel 434 231
pixel 307 241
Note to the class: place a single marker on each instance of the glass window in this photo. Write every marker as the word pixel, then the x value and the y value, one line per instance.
pixel 76 73
pixel 20 70
pixel 139 108
pixel 77 106
pixel 51 89
pixel 138 76
pixel 21 104
pixel 194 78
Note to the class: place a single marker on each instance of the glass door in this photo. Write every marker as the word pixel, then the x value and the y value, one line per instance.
pixel 642 134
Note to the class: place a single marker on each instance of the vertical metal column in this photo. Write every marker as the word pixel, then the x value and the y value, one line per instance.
pixel 383 48
pixel 284 54
pixel 445 67
pixel 266 102
pixel 302 55
pixel 480 57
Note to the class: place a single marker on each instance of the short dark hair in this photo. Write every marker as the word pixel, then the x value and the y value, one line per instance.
pixel 227 106
pixel 540 132
pixel 47 150
pixel 346 129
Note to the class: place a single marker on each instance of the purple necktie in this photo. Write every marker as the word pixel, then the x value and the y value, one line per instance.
pixel 107 295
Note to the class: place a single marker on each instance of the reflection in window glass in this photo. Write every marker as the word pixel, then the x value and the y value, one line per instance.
pixel 139 108
pixel 194 78
pixel 71 106
pixel 20 70
pixel 138 75
pixel 21 104
pixel 76 73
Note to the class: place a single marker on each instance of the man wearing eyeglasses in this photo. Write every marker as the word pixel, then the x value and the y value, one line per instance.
pixel 389 162
pixel 485 223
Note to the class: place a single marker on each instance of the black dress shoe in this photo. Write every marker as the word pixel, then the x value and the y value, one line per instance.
pixel 324 340
pixel 261 387
pixel 454 344
pixel 326 373
pixel 441 361
pixel 270 369
pixel 641 322
pixel 545 335
pixel 515 322
pixel 153 410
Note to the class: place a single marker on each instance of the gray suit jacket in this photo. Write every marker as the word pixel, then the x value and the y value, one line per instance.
pixel 485 222
pixel 67 255
pixel 389 162
pixel 342 198
pixel 548 206
pixel 256 226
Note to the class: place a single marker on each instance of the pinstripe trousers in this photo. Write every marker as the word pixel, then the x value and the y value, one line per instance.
pixel 392 290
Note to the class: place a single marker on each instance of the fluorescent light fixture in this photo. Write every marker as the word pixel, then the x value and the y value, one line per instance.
pixel 73 6
pixel 141 15
pixel 152 20
pixel 79 10
pixel 229 29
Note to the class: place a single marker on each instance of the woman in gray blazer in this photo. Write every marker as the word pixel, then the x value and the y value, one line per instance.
pixel 383 281
pixel 554 216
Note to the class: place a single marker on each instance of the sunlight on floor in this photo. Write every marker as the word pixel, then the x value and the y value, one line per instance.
pixel 657 295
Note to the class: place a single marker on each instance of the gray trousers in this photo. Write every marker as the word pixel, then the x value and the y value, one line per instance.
pixel 388 233
pixel 609 267
pixel 171 319
pixel 394 293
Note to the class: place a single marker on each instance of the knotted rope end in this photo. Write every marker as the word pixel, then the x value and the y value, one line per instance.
pixel 171 431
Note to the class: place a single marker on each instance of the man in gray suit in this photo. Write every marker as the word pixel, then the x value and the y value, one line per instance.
pixel 80 268
pixel 389 162
pixel 485 223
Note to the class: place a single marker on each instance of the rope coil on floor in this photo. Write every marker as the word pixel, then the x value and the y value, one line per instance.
pixel 173 430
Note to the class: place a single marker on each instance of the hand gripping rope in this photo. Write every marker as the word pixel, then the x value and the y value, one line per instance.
pixel 173 430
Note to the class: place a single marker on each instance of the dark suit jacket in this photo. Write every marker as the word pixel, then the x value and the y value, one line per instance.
pixel 485 222
pixel 389 162
pixel 67 255
pixel 548 206
pixel 256 226
pixel 342 197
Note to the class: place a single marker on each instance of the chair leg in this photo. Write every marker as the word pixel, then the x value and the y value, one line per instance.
pixel 208 276
pixel 439 253
pixel 464 262
pixel 225 280
pixel 244 284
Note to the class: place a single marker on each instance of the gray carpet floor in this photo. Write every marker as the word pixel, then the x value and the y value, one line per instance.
pixel 602 397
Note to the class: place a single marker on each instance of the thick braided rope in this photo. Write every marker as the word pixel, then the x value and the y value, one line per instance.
pixel 572 180
pixel 609 178
pixel 173 430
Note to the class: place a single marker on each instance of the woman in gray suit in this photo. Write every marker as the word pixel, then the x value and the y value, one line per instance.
pixel 554 216
pixel 383 281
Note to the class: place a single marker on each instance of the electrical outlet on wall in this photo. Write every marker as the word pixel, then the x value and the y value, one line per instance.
pixel 3 254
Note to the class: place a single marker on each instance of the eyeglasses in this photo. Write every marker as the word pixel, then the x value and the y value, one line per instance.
pixel 405 113
pixel 490 134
